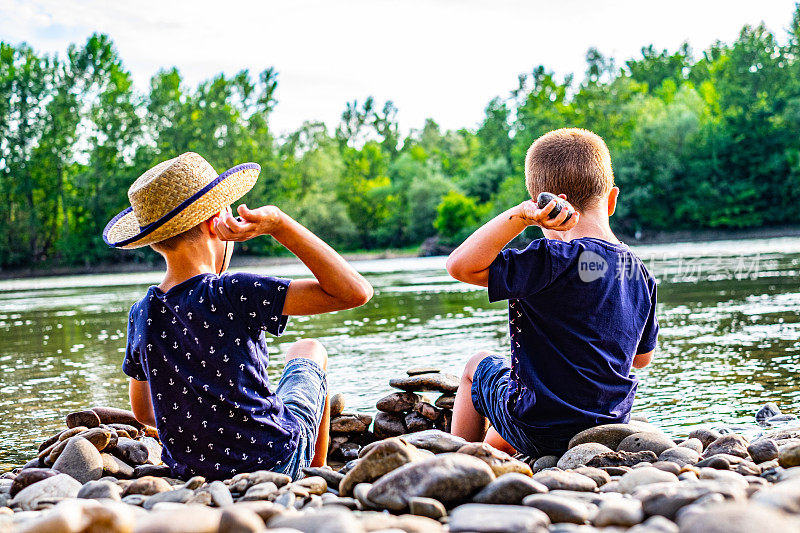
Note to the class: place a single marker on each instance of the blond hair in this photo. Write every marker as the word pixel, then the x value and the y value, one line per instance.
pixel 570 161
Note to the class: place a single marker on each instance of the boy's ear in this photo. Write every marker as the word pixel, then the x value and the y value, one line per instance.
pixel 612 200
pixel 212 221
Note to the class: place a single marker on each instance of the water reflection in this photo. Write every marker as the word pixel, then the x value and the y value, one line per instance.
pixel 730 317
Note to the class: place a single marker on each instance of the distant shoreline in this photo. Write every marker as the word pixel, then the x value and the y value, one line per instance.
pixel 646 237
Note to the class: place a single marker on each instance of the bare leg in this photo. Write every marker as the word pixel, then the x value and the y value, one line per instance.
pixel 314 350
pixel 494 439
pixel 467 422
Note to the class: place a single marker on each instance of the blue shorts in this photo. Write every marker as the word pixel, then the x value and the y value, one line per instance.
pixel 490 398
pixel 303 388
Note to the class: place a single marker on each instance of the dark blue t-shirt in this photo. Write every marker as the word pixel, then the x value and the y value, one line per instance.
pixel 579 312
pixel 201 347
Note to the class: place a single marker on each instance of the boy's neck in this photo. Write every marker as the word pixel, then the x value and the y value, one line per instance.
pixel 592 224
pixel 187 262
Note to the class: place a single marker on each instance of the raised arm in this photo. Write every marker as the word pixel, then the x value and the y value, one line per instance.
pixel 337 285
pixel 470 262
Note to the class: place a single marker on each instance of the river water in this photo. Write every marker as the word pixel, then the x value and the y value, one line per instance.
pixel 729 314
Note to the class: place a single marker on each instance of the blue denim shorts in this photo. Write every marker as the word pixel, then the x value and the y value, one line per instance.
pixel 490 398
pixel 303 388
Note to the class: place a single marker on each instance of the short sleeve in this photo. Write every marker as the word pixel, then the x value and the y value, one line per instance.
pixel 258 298
pixel 132 364
pixel 520 273
pixel 650 331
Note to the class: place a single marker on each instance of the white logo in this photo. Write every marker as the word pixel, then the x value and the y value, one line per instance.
pixel 591 266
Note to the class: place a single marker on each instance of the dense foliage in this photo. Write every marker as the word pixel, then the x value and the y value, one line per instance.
pixel 705 141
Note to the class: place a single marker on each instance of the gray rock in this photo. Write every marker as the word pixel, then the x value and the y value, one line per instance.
pixel 361 493
pixel 194 483
pixel 147 486
pixel 427 382
pixel 546 461
pixel 59 486
pixel 559 509
pixel 172 496
pixel 427 507
pixel 97 490
pixel 731 517
pixel 784 495
pixel 616 459
pixel 560 480
pixel 481 518
pixel 667 499
pixel 328 520
pixel 114 466
pixel 654 442
pixel 88 419
pixel 332 477
pixel 287 500
pixel 644 476
pixel 610 435
pixel 389 425
pixel 180 519
pixel 135 499
pixel 81 460
pixel 680 455
pixel 766 412
pixel 581 455
pixel 623 512
pixel 239 520
pixel 416 422
pixel 763 450
pixel 384 522
pixel 220 495
pixel 398 402
pixel 131 451
pixel 692 444
pixel 426 410
pixel 435 441
pixel 112 415
pixel 599 476
pixel 152 470
pixel 500 462
pixel 450 478
pixel 509 489
pixel 350 423
pixel 789 456
pixel 382 458
pixel 260 491
pixel 655 524
pixel 731 444
pixel 417 370
pixel 337 404
pixel 154 449
pixel 705 435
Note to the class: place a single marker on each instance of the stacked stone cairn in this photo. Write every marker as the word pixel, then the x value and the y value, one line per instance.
pixel 103 474
pixel 399 413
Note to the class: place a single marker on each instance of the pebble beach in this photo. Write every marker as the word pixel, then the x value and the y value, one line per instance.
pixel 402 471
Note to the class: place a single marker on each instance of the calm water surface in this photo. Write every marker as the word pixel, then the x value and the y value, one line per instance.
pixel 729 313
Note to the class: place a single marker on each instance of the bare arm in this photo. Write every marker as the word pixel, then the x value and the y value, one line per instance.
pixel 337 285
pixel 470 262
pixel 141 403
pixel 641 360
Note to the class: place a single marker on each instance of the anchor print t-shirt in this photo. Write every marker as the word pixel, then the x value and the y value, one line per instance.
pixel 201 346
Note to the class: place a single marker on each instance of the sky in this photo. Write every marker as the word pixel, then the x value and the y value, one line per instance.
pixel 444 59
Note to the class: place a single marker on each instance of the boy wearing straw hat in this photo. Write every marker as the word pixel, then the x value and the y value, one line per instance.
pixel 196 352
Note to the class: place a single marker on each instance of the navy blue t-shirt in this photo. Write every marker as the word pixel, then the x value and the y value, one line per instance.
pixel 201 346
pixel 579 312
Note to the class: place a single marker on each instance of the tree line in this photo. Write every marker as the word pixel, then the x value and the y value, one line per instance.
pixel 706 140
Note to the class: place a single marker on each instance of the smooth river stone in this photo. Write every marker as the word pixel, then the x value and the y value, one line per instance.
pixel 558 508
pixel 132 451
pixel 422 370
pixel 622 512
pixel 680 455
pixel 450 478
pixel 692 444
pixel 398 402
pixel 112 415
pixel 789 456
pixel 730 517
pixel 97 490
pixel 645 441
pixel 445 401
pixel 415 422
pixel 328 519
pixel 644 476
pixel 481 518
pixel 81 460
pixel 731 444
pixel 427 410
pixel 427 382
pixel 384 457
pixel 337 404
pixel 152 470
pixel 767 411
pixel 599 476
pixel 147 486
pixel 180 519
pixel 435 440
pixel 127 428
pixel 114 466
pixel 170 496
pixel 561 480
pixel 87 418
pixel 427 507
pixel 610 435
pixel 240 520
pixel 705 435
pixel 28 477
pixel 763 450
pixel 388 425
pixel 581 455
pixel 509 489
pixel 332 477
pixel 350 423
pixel 500 462
pixel 59 486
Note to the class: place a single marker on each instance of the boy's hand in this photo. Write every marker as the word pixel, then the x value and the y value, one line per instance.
pixel 251 223
pixel 531 215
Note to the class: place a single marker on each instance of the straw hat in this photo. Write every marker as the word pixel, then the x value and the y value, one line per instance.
pixel 175 196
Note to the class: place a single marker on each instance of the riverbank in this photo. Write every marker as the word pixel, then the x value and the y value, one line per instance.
pixel 104 473
pixel 425 249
